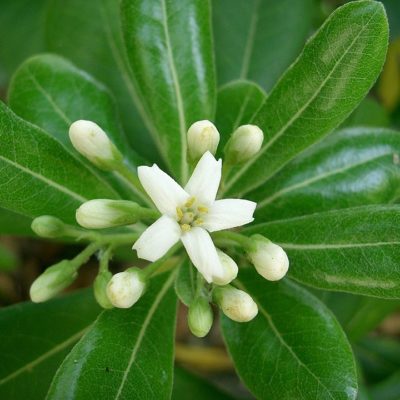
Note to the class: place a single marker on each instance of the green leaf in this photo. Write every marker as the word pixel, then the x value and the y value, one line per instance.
pixel 237 103
pixel 38 174
pixel 186 283
pixel 52 93
pixel 21 33
pixel 169 46
pixel 334 72
pixel 95 44
pixel 353 250
pixel 294 348
pixel 388 389
pixel 358 315
pixel 353 167
pixel 258 39
pixel 187 384
pixel 128 354
pixel 36 337
pixel 14 224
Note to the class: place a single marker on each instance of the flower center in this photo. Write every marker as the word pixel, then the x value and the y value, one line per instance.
pixel 190 214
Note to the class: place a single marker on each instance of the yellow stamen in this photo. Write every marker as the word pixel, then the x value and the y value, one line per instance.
pixel 202 209
pixel 198 222
pixel 190 202
pixel 185 227
pixel 179 213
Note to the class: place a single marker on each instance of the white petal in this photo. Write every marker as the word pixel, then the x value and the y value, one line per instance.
pixel 163 190
pixel 229 213
pixel 203 254
pixel 157 239
pixel 204 182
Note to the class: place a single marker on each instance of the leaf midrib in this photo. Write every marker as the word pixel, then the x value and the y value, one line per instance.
pixel 294 118
pixel 143 329
pixel 34 363
pixel 284 343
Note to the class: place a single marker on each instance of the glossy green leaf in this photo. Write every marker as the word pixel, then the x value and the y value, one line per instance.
pixel 237 103
pixel 169 46
pixel 388 389
pixel 128 354
pixel 186 283
pixel 187 384
pixel 52 93
pixel 349 168
pixel 14 224
pixel 294 348
pixel 89 33
pixel 37 174
pixel 358 315
pixel 352 250
pixel 21 33
pixel 334 72
pixel 36 337
pixel 258 39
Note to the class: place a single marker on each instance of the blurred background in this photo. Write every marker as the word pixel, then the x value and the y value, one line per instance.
pixel 28 27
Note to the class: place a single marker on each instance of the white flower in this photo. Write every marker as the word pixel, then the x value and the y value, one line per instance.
pixel 189 214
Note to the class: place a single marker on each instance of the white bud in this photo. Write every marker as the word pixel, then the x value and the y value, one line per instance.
pixel 230 269
pixel 244 143
pixel 235 304
pixel 269 259
pixel 202 136
pixel 126 288
pixel 52 281
pixel 103 213
pixel 200 317
pixel 48 227
pixel 93 143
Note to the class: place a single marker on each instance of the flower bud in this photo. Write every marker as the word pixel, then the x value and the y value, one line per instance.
pixel 48 227
pixel 100 289
pixel 93 143
pixel 102 213
pixel 200 317
pixel 230 269
pixel 202 136
pixel 269 259
pixel 235 304
pixel 53 281
pixel 125 288
pixel 244 143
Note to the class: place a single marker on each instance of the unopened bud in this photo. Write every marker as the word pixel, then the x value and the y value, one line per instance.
pixel 200 317
pixel 53 281
pixel 235 304
pixel 230 269
pixel 202 136
pixel 126 288
pixel 103 213
pixel 100 289
pixel 93 143
pixel 48 227
pixel 269 259
pixel 244 143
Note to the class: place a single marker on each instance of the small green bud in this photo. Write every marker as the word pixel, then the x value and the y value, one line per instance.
pixel 244 143
pixel 48 227
pixel 235 304
pixel 102 213
pixel 200 317
pixel 269 259
pixel 126 288
pixel 202 136
pixel 230 269
pixel 93 143
pixel 100 289
pixel 53 281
